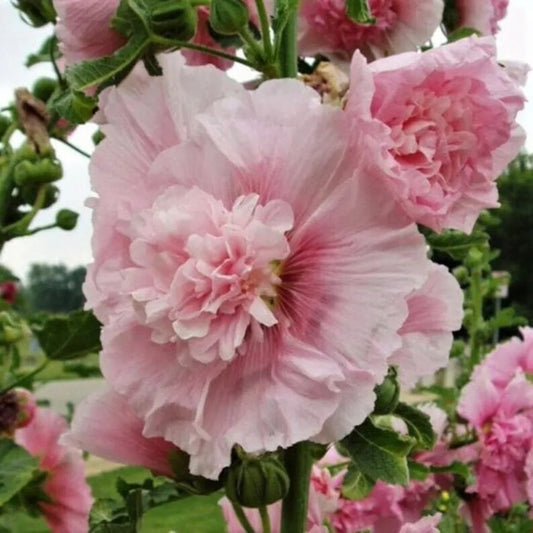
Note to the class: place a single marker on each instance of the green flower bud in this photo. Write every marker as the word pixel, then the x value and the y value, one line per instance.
pixel 39 172
pixel 98 137
pixel 228 17
pixel 387 394
pixel 461 274
pixel 29 195
pixel 11 328
pixel 66 219
pixel 38 12
pixel 43 88
pixel 257 481
pixel 175 19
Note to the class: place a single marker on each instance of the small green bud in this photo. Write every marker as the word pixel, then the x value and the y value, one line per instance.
pixel 228 17
pixel 39 172
pixel 175 19
pixel 257 481
pixel 66 219
pixel 43 88
pixel 387 394
pixel 461 274
pixel 29 195
pixel 38 12
pixel 11 328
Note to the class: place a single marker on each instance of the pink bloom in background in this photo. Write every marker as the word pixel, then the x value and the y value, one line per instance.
pixel 481 15
pixel 105 425
pixel 499 405
pixel 83 29
pixel 451 113
pixel 240 255
pixel 435 310
pixel 65 485
pixel 8 291
pixel 428 524
pixel 401 26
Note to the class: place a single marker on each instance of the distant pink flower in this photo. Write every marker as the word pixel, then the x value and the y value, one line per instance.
pixel 481 15
pixel 428 524
pixel 435 310
pixel 401 26
pixel 8 291
pixel 500 408
pixel 451 113
pixel 83 29
pixel 105 425
pixel 65 483
pixel 17 408
pixel 240 255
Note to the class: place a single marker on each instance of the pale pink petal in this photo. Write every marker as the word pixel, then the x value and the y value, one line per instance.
pixel 428 524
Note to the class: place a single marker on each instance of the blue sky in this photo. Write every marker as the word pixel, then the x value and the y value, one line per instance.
pixel 17 40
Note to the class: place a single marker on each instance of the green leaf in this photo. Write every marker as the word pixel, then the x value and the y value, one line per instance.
pixel 17 467
pixel 461 33
pixel 74 106
pixel 358 11
pixel 417 471
pixel 506 318
pixel 108 70
pixel 379 453
pixel 356 485
pixel 456 468
pixel 69 336
pixel 45 54
pixel 418 425
pixel 456 244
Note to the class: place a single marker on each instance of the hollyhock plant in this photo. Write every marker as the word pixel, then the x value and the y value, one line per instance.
pixel 451 113
pixel 401 26
pixel 217 257
pixel 481 15
pixel 105 425
pixel 67 509
pixel 499 405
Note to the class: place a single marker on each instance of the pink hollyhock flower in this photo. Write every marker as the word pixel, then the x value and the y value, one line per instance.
pixel 65 485
pixel 500 408
pixel 451 113
pixel 428 524
pixel 105 425
pixel 401 26
pixel 435 310
pixel 481 15
pixel 17 408
pixel 249 260
pixel 83 29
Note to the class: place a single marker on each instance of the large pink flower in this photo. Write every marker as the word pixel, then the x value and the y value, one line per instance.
pixel 65 484
pixel 401 26
pixel 83 29
pixel 481 15
pixel 500 408
pixel 105 425
pixel 248 261
pixel 451 113
pixel 435 310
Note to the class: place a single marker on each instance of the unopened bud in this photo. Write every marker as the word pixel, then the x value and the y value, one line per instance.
pixel 38 12
pixel 175 19
pixel 29 194
pixel 66 219
pixel 12 329
pixel 387 394
pixel 228 17
pixel 257 481
pixel 39 172
pixel 43 88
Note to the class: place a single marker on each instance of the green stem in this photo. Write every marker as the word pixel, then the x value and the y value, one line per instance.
pixel 21 226
pixel 75 148
pixel 23 379
pixel 249 39
pixel 265 29
pixel 239 513
pixel 288 49
pixel 298 462
pixel 199 48
pixel 265 519
pixel 476 296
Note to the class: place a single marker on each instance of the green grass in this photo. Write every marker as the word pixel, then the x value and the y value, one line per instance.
pixel 192 515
